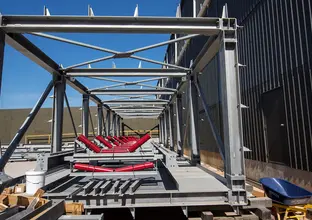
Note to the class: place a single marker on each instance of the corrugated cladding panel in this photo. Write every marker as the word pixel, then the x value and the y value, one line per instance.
pixel 276 45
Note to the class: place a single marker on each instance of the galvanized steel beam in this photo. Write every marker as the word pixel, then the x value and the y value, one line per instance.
pixel 126 72
pixel 108 122
pixel 28 49
pixel 100 120
pixel 131 92
pixel 193 130
pixel 231 117
pixel 85 115
pixel 101 24
pixel 137 102
pixel 58 108
pixel 178 110
pixel 170 120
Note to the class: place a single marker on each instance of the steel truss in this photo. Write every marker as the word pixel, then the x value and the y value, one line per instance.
pixel 222 43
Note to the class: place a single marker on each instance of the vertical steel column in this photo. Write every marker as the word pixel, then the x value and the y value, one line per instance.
pixel 193 108
pixel 20 133
pixel 114 124
pixel 59 95
pixel 165 128
pixel 2 44
pixel 108 122
pixel 170 120
pixel 231 117
pixel 100 119
pixel 85 115
pixel 178 107
pixel 160 129
pixel 117 125
pixel 118 130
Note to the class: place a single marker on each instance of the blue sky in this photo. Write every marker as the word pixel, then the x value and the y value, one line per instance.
pixel 23 81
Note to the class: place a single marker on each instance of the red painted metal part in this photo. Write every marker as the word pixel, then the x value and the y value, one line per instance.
pixel 91 168
pixel 128 147
pixel 103 141
pixel 119 140
pixel 136 167
pixel 123 139
pixel 89 144
pixel 113 140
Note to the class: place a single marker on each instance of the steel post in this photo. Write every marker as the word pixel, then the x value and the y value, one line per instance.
pixel 108 122
pixel 160 129
pixel 193 130
pixel 178 108
pixel 114 124
pixel 165 128
pixel 231 117
pixel 85 115
pixel 2 44
pixel 170 120
pixel 20 133
pixel 59 95
pixel 100 120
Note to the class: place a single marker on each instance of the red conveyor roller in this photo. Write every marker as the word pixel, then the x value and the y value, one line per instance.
pixel 103 141
pixel 89 144
pixel 91 168
pixel 113 140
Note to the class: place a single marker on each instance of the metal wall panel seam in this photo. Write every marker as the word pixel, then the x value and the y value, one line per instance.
pixel 301 27
pixel 249 74
pixel 254 84
pixel 289 62
pixel 259 91
pixel 294 71
pixel 283 81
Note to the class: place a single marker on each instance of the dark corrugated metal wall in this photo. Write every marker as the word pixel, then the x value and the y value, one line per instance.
pixel 275 43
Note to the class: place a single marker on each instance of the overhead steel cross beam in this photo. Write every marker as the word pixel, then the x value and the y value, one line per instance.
pixel 24 46
pixel 117 54
pixel 100 24
pixel 132 92
pixel 138 72
pixel 137 102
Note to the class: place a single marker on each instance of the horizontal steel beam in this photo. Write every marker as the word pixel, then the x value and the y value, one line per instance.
pixel 138 110
pixel 77 24
pixel 132 92
pixel 139 114
pixel 28 49
pixel 138 72
pixel 139 106
pixel 136 102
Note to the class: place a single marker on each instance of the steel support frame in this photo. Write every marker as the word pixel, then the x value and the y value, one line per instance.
pixel 94 24
pixel 232 119
pixel 94 72
pixel 108 122
pixel 58 110
pixel 170 125
pixel 132 92
pixel 165 121
pixel 178 110
pixel 114 125
pixel 193 120
pixel 100 119
pixel 85 115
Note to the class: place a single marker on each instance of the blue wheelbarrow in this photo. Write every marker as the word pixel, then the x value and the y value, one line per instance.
pixel 284 192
